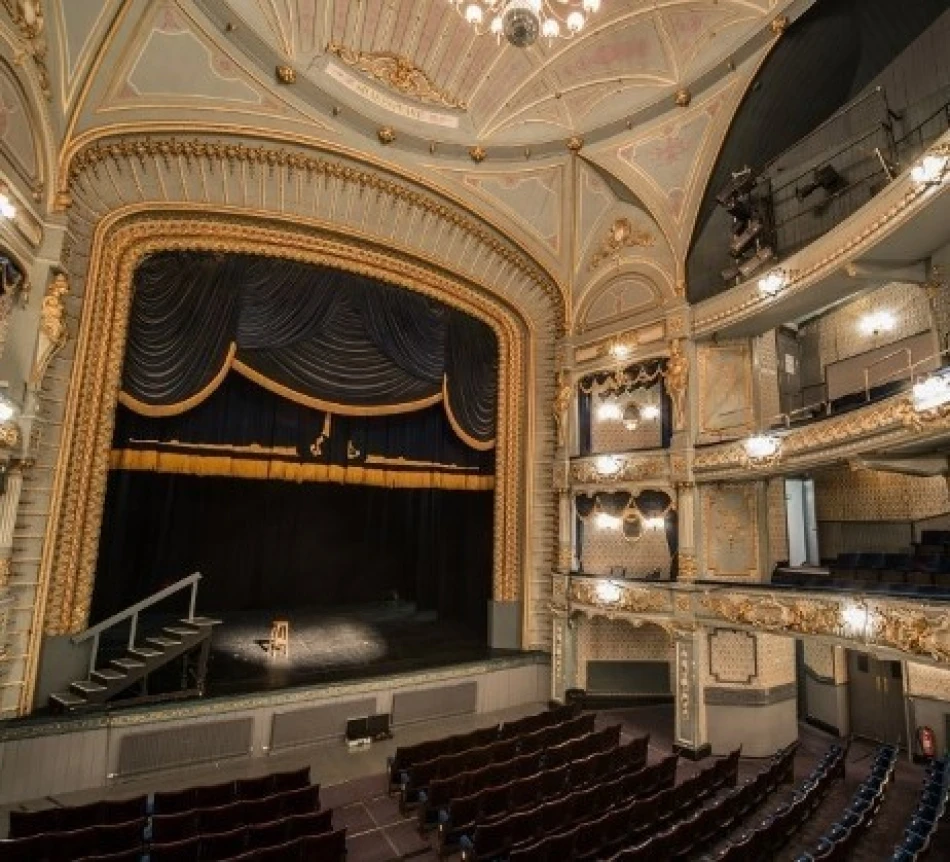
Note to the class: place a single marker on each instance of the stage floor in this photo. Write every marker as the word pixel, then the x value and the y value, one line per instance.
pixel 334 645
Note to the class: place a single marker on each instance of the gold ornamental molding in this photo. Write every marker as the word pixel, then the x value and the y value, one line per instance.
pixel 832 439
pixel 398 73
pixel 90 158
pixel 620 235
pixel 919 631
pixel 623 469
pixel 27 17
pixel 121 240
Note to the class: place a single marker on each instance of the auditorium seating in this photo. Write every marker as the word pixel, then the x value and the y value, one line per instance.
pixel 766 839
pixel 399 764
pixel 838 842
pixel 419 776
pixel 929 817
pixel 595 821
pixel 249 818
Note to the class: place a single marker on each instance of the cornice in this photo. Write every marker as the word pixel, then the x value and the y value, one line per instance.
pixel 917 630
pixel 893 422
pixel 86 153
pixel 633 468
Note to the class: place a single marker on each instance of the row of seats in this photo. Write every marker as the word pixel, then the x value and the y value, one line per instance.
pixel 682 838
pixel 930 815
pixel 765 840
pixel 624 814
pixel 551 767
pixel 838 842
pixel 900 583
pixel 106 812
pixel 419 776
pixel 603 775
pixel 408 755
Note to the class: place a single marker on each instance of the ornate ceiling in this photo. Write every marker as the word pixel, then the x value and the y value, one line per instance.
pixel 634 54
pixel 645 97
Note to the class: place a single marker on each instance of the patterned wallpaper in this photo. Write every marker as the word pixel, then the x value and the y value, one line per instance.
pixel 739 660
pixel 611 436
pixel 777 521
pixel 606 548
pixel 886 537
pixel 927 681
pixel 837 335
pixel 872 495
pixel 615 640
pixel 767 378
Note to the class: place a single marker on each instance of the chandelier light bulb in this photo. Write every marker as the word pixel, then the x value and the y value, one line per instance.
pixel 522 22
pixel 473 13
pixel 591 6
pixel 497 26
pixel 550 29
pixel 575 22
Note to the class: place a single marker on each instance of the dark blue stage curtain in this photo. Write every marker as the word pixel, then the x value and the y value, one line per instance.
pixel 327 339
pixel 640 375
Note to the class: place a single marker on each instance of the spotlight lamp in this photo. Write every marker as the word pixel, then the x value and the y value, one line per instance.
pixel 932 169
pixel 931 393
pixel 762 450
pixel 7 207
pixel 772 283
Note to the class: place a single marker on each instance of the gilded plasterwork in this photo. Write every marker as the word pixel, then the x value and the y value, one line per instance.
pixel 629 468
pixel 638 600
pixel 69 560
pixel 398 73
pixel 725 390
pixel 730 530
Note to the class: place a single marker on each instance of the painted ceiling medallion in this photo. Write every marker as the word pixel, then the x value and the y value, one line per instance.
pixel 620 235
pixel 398 73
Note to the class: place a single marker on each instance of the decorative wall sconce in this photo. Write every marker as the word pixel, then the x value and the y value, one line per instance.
pixel 608 592
pixel 932 169
pixel 877 322
pixel 608 522
pixel 607 465
pixel 609 411
pixel 930 393
pixel 762 450
pixel 772 283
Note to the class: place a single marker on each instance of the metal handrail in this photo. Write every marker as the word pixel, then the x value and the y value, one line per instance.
pixel 133 611
pixel 825 405
pixel 867 368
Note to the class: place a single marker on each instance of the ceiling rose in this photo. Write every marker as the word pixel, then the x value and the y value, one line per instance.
pixel 522 21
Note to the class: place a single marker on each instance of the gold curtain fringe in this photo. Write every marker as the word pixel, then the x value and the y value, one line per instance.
pixel 161 411
pixel 468 440
pixel 150 460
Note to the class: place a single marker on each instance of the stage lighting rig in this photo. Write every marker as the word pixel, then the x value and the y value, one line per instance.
pixel 752 243
pixel 825 177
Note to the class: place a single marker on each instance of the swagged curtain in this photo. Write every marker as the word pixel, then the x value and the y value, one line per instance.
pixel 323 338
pixel 640 375
pixel 630 509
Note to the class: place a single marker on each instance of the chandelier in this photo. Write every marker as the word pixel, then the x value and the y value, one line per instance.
pixel 522 21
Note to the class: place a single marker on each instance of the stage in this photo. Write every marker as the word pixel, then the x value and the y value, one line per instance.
pixel 326 645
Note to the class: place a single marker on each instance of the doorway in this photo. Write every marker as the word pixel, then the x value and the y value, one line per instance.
pixel 876 696
pixel 801 522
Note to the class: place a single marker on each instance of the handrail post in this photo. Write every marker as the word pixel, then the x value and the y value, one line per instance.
pixel 193 600
pixel 133 629
pixel 95 654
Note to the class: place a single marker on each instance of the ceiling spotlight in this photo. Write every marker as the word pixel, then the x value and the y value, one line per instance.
pixel 877 322
pixel 762 449
pixel 608 522
pixel 7 209
pixel 931 393
pixel 607 465
pixel 608 592
pixel 931 169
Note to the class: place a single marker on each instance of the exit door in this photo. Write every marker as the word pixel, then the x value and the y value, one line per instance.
pixel 876 695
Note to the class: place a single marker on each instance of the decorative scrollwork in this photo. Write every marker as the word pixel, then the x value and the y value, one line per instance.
pixel 398 73
pixel 620 235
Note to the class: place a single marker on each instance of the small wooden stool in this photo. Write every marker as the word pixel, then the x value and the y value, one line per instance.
pixel 280 639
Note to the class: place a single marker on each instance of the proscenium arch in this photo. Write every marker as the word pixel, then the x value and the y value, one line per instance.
pixel 120 241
